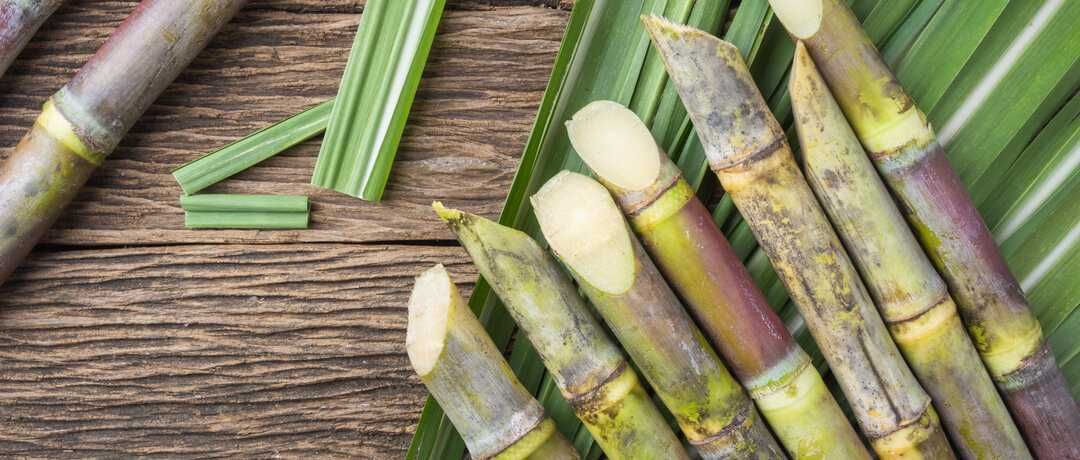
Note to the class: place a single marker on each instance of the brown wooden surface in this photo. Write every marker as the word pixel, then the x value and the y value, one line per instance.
pixel 125 334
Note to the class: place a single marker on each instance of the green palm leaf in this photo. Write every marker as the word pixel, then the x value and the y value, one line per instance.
pixel 998 78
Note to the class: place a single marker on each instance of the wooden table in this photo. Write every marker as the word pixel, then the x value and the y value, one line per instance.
pixel 125 334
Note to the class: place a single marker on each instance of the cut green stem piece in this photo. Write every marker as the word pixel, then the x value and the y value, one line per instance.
pixel 83 122
pixel 586 230
pixel 244 203
pixel 910 294
pixel 246 220
pixel 245 211
pixel 749 154
pixel 459 364
pixel 376 93
pixel 903 147
pixel 702 267
pixel 587 365
pixel 19 20
pixel 256 147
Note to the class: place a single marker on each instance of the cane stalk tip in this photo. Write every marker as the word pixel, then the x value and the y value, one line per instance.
pixel 445 213
pixel 660 27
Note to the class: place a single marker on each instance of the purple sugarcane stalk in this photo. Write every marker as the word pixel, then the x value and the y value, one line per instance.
pixel 19 21
pixel 83 122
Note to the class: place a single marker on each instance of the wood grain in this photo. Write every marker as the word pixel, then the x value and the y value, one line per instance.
pixel 487 71
pixel 210 350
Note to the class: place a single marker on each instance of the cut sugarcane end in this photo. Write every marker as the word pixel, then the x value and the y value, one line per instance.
pixel 585 228
pixel 433 297
pixel 801 18
pixel 615 144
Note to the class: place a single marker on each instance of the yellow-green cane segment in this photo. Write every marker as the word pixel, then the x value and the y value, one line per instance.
pixel 584 361
pixel 904 149
pixel 747 150
pixel 908 291
pixel 459 364
pixel 679 234
pixel 588 233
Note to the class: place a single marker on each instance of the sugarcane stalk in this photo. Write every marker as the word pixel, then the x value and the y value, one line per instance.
pixel 678 233
pixel 464 371
pixel 903 147
pixel 84 121
pixel 911 296
pixel 19 21
pixel 586 364
pixel 747 150
pixel 588 233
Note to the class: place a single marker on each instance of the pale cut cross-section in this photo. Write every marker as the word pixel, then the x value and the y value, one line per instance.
pixel 802 18
pixel 585 228
pixel 615 144
pixel 432 298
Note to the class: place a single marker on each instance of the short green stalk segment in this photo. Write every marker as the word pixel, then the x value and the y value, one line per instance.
pixel 252 149
pixel 245 211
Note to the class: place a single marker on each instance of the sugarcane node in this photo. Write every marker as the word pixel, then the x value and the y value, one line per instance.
pixel 739 422
pixel 1033 368
pixel 605 394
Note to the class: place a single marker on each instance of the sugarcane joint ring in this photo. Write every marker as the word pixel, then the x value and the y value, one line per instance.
pixel 621 382
pixel 58 127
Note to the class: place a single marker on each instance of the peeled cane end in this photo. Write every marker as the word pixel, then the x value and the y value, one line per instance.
pixel 801 18
pixel 433 297
pixel 585 228
pixel 615 144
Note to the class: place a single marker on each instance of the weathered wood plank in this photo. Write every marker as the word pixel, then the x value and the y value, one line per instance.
pixel 487 71
pixel 208 350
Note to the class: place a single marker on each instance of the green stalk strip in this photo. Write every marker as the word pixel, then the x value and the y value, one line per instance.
pixel 244 203
pixel 376 93
pixel 246 220
pixel 245 211
pixel 252 149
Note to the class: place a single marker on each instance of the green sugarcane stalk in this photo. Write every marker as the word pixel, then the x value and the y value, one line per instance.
pixel 747 150
pixel 19 21
pixel 84 121
pixel 586 364
pixel 460 365
pixel 588 233
pixel 699 263
pixel 909 293
pixel 905 151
